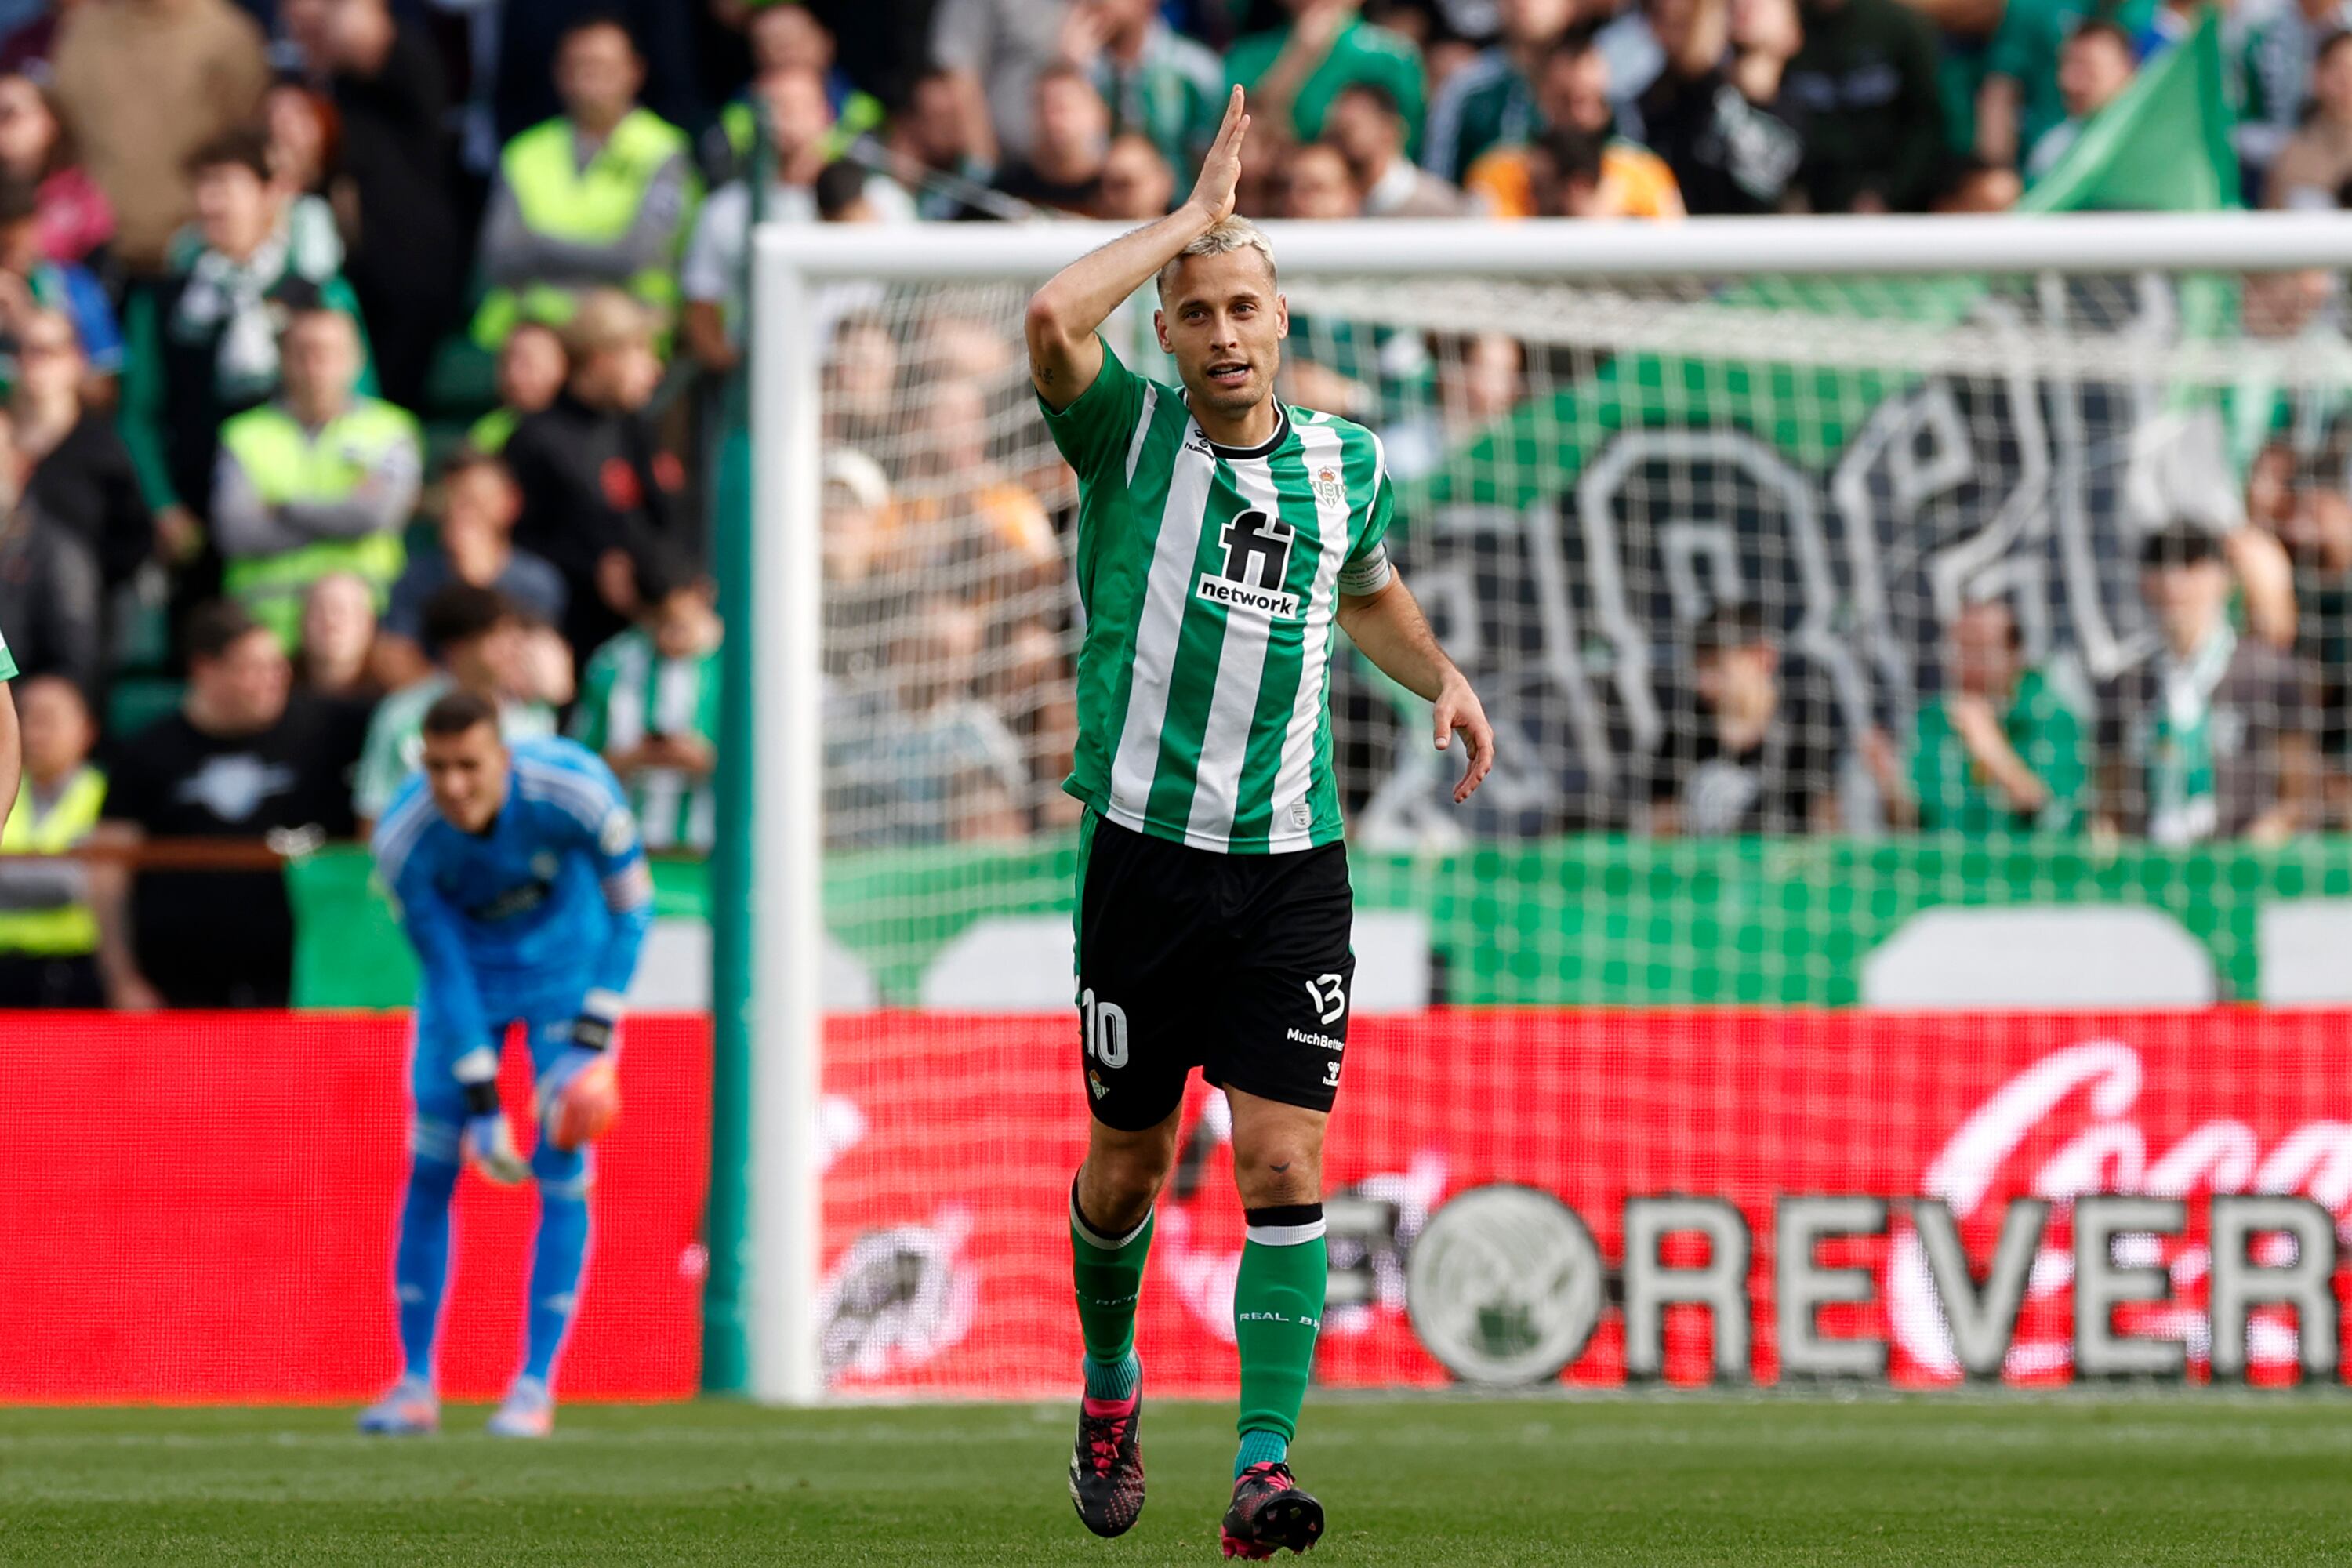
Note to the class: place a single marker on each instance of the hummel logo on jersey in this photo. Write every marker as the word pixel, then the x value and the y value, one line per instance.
pixel 1257 558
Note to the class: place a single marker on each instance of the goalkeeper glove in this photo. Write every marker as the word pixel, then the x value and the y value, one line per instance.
pixel 576 1099
pixel 487 1141
pixel 490 1143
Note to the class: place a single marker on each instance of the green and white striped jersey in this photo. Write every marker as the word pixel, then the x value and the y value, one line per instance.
pixel 630 692
pixel 1211 576
pixel 7 661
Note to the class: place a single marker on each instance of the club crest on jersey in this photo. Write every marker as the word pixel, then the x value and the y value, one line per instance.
pixel 1257 559
pixel 1328 489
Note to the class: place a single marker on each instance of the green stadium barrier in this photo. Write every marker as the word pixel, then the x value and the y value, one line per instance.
pixel 1587 920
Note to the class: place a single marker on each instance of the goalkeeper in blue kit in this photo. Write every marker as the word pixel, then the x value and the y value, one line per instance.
pixel 520 882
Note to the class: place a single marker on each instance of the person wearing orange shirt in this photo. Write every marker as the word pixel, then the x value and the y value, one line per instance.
pixel 1572 93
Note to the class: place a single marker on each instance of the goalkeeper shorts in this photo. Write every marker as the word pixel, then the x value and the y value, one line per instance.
pixel 1237 964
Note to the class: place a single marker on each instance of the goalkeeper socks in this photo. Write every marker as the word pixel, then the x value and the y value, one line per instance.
pixel 1108 1271
pixel 556 1258
pixel 1277 1310
pixel 420 1266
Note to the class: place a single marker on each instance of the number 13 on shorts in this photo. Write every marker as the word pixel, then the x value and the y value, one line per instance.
pixel 1328 996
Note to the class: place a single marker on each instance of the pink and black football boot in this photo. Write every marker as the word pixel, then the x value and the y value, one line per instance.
pixel 1270 1510
pixel 1107 1468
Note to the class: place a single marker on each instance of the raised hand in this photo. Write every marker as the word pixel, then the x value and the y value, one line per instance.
pixel 1221 170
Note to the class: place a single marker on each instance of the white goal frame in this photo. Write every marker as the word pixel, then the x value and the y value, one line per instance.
pixel 783 1229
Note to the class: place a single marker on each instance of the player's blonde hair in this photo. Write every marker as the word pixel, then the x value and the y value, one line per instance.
pixel 1234 234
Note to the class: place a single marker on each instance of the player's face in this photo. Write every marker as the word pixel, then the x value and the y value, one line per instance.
pixel 467 774
pixel 1225 324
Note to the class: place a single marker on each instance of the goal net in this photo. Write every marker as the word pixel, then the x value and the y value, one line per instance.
pixel 1920 697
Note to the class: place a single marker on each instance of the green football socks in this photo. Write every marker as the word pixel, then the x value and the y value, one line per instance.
pixel 1277 1310
pixel 1108 1271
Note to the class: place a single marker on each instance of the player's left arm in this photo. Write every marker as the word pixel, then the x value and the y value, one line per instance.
pixel 11 757
pixel 1388 625
pixel 627 883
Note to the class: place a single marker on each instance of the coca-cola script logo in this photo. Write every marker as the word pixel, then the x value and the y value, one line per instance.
pixel 2087 1095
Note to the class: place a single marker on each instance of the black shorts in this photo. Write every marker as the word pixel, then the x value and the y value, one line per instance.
pixel 1237 964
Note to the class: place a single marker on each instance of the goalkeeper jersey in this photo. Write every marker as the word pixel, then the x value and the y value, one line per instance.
pixel 1209 576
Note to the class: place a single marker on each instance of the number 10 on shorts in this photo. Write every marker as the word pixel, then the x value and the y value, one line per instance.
pixel 1106 1030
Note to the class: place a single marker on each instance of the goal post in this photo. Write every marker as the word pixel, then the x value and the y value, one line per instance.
pixel 1786 341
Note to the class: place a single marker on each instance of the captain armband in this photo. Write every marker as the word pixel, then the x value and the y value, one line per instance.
pixel 1368 575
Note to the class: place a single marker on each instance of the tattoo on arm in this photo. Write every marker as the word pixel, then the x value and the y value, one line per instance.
pixel 1043 371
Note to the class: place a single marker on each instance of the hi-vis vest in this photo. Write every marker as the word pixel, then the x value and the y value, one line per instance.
pixel 595 205
pixel 62 931
pixel 287 463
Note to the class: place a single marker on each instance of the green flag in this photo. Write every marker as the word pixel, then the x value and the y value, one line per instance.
pixel 2163 146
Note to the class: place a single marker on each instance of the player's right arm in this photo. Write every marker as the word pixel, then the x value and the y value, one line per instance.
pixel 450 1018
pixel 1065 355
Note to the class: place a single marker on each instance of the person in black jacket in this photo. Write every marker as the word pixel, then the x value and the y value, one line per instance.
pixel 49 591
pixel 598 489
pixel 81 478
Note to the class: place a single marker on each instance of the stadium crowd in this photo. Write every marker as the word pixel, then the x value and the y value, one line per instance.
pixel 356 350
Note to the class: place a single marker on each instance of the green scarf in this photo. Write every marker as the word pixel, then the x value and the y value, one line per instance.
pixel 2182 807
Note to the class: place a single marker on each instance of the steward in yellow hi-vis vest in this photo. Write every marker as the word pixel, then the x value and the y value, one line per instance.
pixel 600 196
pixel 48 928
pixel 319 482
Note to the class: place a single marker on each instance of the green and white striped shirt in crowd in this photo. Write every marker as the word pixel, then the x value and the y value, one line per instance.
pixel 630 692
pixel 1211 576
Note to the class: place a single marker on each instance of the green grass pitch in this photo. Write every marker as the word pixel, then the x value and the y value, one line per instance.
pixel 2185 1480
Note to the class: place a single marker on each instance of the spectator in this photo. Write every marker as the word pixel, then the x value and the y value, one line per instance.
pixel 993 51
pixel 960 512
pixel 2314 166
pixel 1492 101
pixel 49 931
pixel 1293 71
pixel 1157 82
pixel 915 756
pixel 31 282
pixel 1480 380
pixel 531 33
pixel 649 705
pixel 244 759
pixel 861 383
pixel 304 143
pixel 1714 111
pixel 1572 94
pixel 77 220
pixel 786 36
pixel 146 85
pixel 1316 184
pixel 81 477
pixel 2212 736
pixel 2018 101
pixel 1137 186
pixel 2305 509
pixel 2094 69
pixel 1864 83
pixel 531 372
pixel 1564 174
pixel 203 346
pixel 2281 56
pixel 597 485
pixel 601 196
pixel 481 644
pixel 1998 752
pixel 51 597
pixel 338 639
pixel 717 269
pixel 407 252
pixel 1745 750
pixel 479 504
pixel 932 145
pixel 1064 168
pixel 1366 126
pixel 321 480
